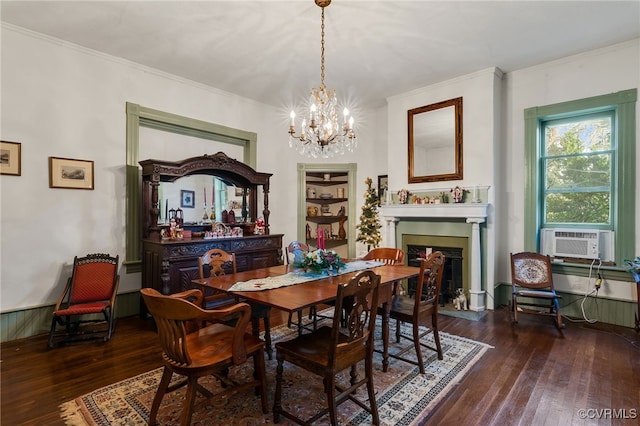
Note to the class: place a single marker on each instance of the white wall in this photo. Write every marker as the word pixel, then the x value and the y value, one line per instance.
pixel 593 73
pixel 62 100
pixel 479 105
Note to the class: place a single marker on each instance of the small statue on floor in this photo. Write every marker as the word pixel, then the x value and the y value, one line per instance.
pixel 460 302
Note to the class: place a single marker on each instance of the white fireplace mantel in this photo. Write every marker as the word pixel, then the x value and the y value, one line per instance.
pixel 473 213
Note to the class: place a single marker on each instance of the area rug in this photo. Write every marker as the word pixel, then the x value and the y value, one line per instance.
pixel 404 396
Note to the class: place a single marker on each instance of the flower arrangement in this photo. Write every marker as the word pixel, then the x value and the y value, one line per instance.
pixel 319 260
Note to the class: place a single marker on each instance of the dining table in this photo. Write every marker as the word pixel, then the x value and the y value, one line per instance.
pixel 289 295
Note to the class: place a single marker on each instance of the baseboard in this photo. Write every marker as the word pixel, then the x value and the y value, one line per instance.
pixel 36 321
pixel 600 309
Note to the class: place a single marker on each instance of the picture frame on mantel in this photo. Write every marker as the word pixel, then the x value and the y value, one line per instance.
pixel 10 158
pixel 68 173
pixel 383 187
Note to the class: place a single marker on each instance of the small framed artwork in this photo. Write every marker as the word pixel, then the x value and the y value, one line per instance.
pixel 383 187
pixel 187 199
pixel 10 158
pixel 239 191
pixel 70 174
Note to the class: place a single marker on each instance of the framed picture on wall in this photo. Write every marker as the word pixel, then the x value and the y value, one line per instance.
pixel 383 187
pixel 70 174
pixel 187 199
pixel 10 158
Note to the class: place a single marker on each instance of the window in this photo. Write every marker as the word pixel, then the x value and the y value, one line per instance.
pixel 577 161
pixel 580 168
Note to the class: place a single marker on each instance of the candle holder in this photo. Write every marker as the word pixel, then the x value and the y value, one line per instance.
pixel 205 215
pixel 213 214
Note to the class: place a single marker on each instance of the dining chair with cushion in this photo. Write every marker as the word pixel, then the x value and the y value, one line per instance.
pixel 216 262
pixel 194 351
pixel 533 291
pixel 330 350
pixel 418 310
pixel 89 297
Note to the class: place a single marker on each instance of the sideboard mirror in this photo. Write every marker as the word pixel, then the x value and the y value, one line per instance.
pixel 435 142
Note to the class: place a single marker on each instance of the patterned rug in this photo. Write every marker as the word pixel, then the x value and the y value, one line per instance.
pixel 404 396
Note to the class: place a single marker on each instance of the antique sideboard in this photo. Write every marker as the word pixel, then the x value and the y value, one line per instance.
pixel 169 265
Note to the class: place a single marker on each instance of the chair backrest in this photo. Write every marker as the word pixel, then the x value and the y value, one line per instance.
pixel 388 255
pixel 94 278
pixel 297 248
pixel 429 283
pixel 356 306
pixel 179 314
pixel 531 270
pixel 215 261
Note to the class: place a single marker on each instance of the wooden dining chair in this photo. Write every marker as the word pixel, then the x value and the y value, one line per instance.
pixel 330 350
pixel 193 351
pixel 533 291
pixel 295 251
pixel 388 255
pixel 418 310
pixel 216 262
pixel 90 291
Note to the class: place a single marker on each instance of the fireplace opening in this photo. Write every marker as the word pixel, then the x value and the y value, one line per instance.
pixel 452 277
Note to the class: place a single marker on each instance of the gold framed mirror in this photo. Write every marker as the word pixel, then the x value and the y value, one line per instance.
pixel 435 142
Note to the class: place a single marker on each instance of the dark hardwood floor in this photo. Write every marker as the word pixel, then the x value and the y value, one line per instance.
pixel 532 376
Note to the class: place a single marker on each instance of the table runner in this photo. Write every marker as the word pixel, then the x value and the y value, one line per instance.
pixel 298 277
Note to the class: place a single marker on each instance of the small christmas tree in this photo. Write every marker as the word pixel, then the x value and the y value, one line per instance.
pixel 369 227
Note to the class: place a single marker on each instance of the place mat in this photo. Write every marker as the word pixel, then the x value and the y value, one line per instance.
pixel 298 277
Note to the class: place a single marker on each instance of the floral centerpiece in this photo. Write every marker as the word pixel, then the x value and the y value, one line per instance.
pixel 320 260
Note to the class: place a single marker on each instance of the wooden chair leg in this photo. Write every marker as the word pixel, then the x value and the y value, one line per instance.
pixel 416 345
pixel 436 335
pixel 162 389
pixel 189 399
pixel 259 374
pixel 368 366
pixel 330 389
pixel 277 398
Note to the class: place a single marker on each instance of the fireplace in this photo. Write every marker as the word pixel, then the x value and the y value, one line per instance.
pixel 452 272
pixel 458 221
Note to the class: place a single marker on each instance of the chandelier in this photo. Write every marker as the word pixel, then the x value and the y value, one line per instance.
pixel 321 134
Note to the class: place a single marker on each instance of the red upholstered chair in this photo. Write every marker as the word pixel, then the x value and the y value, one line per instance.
pixel 90 292
pixel 193 351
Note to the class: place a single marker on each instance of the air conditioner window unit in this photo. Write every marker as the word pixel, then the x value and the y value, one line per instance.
pixel 579 243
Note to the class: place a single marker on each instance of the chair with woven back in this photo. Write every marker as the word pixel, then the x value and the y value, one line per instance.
pixel 418 309
pixel 216 262
pixel 192 350
pixel 331 349
pixel 89 297
pixel 533 291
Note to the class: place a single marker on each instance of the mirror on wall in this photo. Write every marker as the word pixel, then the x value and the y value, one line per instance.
pixel 195 195
pixel 435 142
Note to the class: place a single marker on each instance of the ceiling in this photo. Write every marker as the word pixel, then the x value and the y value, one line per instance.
pixel 270 50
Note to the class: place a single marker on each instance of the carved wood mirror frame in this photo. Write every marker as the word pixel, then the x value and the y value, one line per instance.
pixel 435 142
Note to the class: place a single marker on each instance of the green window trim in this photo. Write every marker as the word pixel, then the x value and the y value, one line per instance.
pixel 138 116
pixel 623 216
